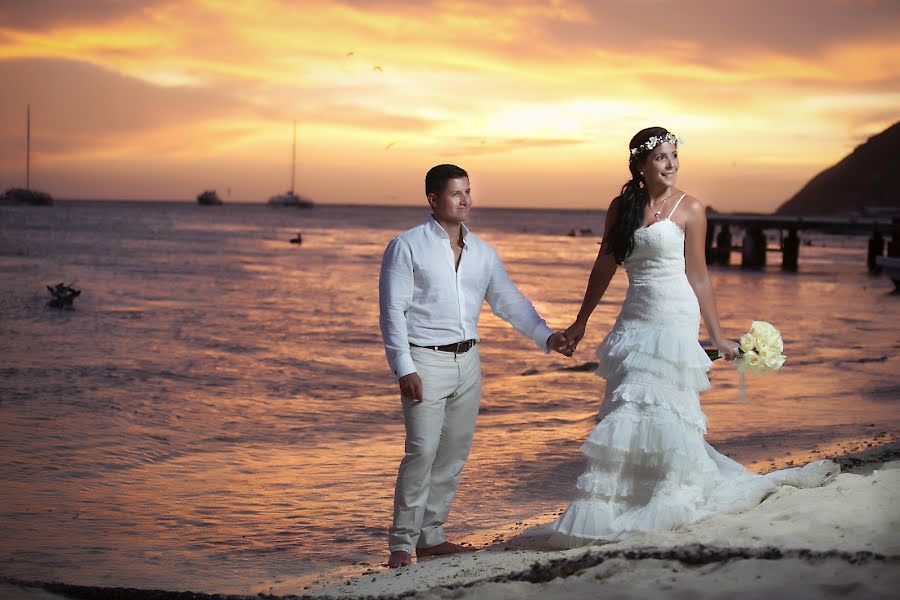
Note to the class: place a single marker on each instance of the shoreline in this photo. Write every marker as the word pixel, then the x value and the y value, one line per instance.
pixel 827 532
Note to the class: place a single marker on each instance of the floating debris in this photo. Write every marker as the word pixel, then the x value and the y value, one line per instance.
pixel 581 231
pixel 62 295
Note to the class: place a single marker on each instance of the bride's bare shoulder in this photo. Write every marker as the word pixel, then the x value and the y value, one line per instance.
pixel 692 203
pixel 691 208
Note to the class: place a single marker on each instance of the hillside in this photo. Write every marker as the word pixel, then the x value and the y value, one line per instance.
pixel 866 180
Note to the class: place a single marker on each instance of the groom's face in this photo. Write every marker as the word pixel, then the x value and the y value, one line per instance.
pixel 453 204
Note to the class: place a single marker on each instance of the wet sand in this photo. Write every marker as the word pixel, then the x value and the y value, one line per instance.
pixel 835 541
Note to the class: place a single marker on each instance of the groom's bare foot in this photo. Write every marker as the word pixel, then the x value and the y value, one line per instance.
pixel 443 548
pixel 399 558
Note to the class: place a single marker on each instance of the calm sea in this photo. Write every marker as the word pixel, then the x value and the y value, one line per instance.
pixel 217 415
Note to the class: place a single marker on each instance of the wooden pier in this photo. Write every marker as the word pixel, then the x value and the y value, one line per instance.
pixel 754 246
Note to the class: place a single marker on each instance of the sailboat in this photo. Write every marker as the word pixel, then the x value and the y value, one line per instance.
pixel 26 195
pixel 290 198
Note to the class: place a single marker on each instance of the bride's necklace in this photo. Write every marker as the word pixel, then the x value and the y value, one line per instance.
pixel 657 212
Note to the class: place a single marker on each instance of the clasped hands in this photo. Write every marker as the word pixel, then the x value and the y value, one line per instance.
pixel 566 342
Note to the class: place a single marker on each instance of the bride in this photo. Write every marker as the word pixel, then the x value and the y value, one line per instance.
pixel 649 468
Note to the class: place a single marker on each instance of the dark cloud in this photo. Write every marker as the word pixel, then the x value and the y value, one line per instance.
pixel 717 31
pixel 710 33
pixel 714 32
pixel 75 105
pixel 80 106
pixel 46 14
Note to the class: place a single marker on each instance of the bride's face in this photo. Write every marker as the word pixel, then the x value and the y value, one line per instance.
pixel 661 166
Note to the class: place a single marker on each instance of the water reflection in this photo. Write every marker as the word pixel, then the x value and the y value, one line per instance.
pixel 217 414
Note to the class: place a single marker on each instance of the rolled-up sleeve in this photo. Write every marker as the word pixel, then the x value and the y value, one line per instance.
pixel 508 303
pixel 395 292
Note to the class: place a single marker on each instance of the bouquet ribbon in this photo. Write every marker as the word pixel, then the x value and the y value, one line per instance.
pixel 715 354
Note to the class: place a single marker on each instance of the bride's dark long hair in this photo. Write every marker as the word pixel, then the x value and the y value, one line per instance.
pixel 632 200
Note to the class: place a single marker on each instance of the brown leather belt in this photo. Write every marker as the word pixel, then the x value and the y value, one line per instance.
pixel 457 348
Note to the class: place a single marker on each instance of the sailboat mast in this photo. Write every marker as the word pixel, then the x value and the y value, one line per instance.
pixel 294 158
pixel 28 148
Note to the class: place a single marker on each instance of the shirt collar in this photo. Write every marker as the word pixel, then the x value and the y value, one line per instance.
pixel 435 229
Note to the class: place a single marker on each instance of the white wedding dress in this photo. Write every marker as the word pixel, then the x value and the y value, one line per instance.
pixel 649 468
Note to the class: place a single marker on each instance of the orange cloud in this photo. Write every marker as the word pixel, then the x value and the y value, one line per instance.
pixel 180 87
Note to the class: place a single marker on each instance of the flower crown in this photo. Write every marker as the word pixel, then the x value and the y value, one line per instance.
pixel 655 141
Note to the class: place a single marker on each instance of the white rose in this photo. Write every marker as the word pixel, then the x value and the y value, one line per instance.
pixel 769 354
pixel 773 340
pixel 749 361
pixel 762 329
pixel 747 342
pixel 774 362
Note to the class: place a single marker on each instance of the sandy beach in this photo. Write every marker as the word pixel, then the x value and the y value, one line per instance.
pixel 839 540
pixel 835 541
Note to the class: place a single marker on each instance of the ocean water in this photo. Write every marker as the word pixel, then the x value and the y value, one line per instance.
pixel 217 414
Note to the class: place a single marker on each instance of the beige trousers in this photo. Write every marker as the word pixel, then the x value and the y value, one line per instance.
pixel 438 437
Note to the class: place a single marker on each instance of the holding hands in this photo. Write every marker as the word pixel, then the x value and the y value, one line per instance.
pixel 565 342
pixel 573 335
pixel 558 342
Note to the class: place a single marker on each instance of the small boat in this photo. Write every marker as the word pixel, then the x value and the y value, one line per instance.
pixel 290 198
pixel 891 265
pixel 209 198
pixel 25 196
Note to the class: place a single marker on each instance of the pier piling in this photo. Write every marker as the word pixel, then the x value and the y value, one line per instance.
pixel 753 250
pixel 893 247
pixel 876 249
pixel 790 251
pixel 723 245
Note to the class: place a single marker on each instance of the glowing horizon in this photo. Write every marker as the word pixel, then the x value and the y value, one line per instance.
pixel 537 100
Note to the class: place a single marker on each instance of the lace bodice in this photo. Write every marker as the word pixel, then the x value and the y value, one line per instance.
pixel 658 252
pixel 658 289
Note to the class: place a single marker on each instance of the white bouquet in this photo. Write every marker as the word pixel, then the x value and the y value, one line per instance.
pixel 760 351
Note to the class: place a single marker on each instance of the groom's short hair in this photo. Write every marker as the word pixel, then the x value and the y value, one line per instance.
pixel 437 177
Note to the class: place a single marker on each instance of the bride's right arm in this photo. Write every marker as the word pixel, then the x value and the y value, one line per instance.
pixel 602 273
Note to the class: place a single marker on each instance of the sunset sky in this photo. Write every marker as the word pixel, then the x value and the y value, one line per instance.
pixel 160 99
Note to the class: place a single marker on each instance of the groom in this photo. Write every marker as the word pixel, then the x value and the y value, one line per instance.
pixel 434 280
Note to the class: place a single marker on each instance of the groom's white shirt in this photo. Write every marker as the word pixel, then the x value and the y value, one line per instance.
pixel 425 301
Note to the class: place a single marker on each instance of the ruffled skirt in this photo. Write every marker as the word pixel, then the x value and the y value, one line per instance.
pixel 649 467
